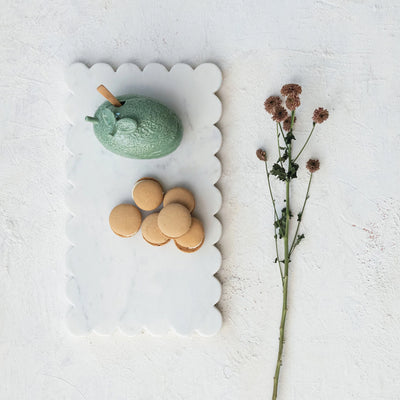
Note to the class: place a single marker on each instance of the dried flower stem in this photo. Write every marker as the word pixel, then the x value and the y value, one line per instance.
pixel 305 144
pixel 285 276
pixel 280 127
pixel 279 145
pixel 270 190
pixel 300 217
pixel 277 257
pixel 276 218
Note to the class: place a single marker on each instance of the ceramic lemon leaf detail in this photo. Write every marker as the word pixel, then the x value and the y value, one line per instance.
pixel 126 125
pixel 107 118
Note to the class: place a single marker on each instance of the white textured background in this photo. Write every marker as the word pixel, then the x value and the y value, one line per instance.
pixel 344 319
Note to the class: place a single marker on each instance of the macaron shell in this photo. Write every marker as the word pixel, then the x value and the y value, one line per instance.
pixel 123 236
pixel 125 220
pixel 180 195
pixel 151 232
pixel 174 220
pixel 186 250
pixel 193 239
pixel 147 194
pixel 157 244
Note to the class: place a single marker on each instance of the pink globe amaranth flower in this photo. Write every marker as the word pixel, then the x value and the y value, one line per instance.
pixel 312 165
pixel 261 154
pixel 292 103
pixel 288 122
pixel 280 114
pixel 271 103
pixel 291 90
pixel 320 115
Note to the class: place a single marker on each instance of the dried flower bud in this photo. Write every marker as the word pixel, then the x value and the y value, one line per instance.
pixel 292 102
pixel 271 103
pixel 287 123
pixel 291 90
pixel 312 165
pixel 320 115
pixel 279 114
pixel 261 154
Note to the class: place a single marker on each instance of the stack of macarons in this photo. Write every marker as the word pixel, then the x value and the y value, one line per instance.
pixel 172 221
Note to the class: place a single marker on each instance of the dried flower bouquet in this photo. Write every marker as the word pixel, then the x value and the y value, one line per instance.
pixel 285 169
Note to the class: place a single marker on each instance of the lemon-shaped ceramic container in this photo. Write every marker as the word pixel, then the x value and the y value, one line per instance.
pixel 140 128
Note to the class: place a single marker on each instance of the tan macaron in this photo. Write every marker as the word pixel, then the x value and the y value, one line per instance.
pixel 180 195
pixel 147 194
pixel 174 220
pixel 193 239
pixel 125 220
pixel 151 232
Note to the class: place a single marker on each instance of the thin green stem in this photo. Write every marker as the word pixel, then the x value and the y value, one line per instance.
pixel 301 217
pixel 270 190
pixel 281 338
pixel 305 144
pixel 285 280
pixel 283 135
pixel 286 273
pixel 276 218
pixel 277 257
pixel 279 145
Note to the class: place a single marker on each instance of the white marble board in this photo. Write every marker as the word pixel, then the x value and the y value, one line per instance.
pixel 127 284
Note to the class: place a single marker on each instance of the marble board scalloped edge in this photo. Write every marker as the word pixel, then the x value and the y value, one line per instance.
pixel 215 86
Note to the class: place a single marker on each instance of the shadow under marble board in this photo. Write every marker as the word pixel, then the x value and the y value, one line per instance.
pixel 127 284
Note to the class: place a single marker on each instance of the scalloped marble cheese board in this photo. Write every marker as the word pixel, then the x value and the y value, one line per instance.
pixel 127 284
